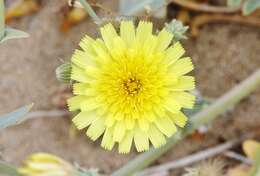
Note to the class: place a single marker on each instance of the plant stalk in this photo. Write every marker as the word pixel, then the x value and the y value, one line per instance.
pixel 221 105
pixel 91 12
pixel 2 19
pixel 8 169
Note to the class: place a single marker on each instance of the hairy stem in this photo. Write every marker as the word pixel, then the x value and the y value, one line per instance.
pixel 2 19
pixel 221 105
pixel 91 12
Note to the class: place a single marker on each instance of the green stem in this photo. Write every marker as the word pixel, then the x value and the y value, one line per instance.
pixel 8 169
pixel 221 105
pixel 91 12
pixel 2 19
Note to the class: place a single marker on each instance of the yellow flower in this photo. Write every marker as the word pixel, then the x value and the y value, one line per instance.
pixel 131 86
pixel 43 164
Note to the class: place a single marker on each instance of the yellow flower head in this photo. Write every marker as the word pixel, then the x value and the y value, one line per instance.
pixel 43 164
pixel 131 86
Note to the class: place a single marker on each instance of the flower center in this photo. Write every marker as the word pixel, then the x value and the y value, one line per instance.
pixel 132 86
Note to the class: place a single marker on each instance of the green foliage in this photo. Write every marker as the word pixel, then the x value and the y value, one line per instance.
pixel 8 169
pixel 63 72
pixel 177 28
pixel 11 33
pixel 14 117
pixel 5 32
pixel 250 6
pixel 132 7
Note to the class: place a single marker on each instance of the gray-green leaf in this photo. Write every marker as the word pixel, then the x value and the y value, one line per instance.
pixel 14 117
pixel 11 33
pixel 234 3
pixel 63 73
pixel 250 6
pixel 177 28
pixel 132 7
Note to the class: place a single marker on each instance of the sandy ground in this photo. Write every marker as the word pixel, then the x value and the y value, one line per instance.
pixel 224 55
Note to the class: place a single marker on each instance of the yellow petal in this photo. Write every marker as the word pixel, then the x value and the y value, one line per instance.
pixel 166 126
pixel 181 66
pixel 108 33
pixel 74 103
pixel 156 137
pixel 143 30
pixel 86 45
pixel 81 59
pixel 119 130
pixel 110 120
pixel 107 141
pixel 83 89
pixel 79 74
pixel 173 53
pixel 172 105
pixel 250 147
pixel 164 39
pixel 179 119
pixel 149 47
pixel 96 129
pixel 143 124
pixel 84 119
pixel 127 32
pixel 118 52
pixel 89 104
pixel 130 123
pixel 184 83
pixel 141 140
pixel 126 143
pixel 186 100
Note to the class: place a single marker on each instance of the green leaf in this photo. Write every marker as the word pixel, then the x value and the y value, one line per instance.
pixel 8 169
pixel 250 6
pixel 177 28
pixel 14 117
pixel 11 33
pixel 63 73
pixel 132 7
pixel 234 3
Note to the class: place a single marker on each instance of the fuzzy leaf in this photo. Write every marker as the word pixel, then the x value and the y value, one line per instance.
pixel 250 6
pixel 63 73
pixel 14 117
pixel 177 28
pixel 132 7
pixel 234 3
pixel 11 33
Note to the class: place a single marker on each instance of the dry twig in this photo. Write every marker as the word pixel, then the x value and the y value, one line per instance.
pixel 51 113
pixel 203 19
pixel 236 156
pixel 192 158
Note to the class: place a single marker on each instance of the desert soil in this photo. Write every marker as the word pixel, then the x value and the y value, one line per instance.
pixel 223 54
